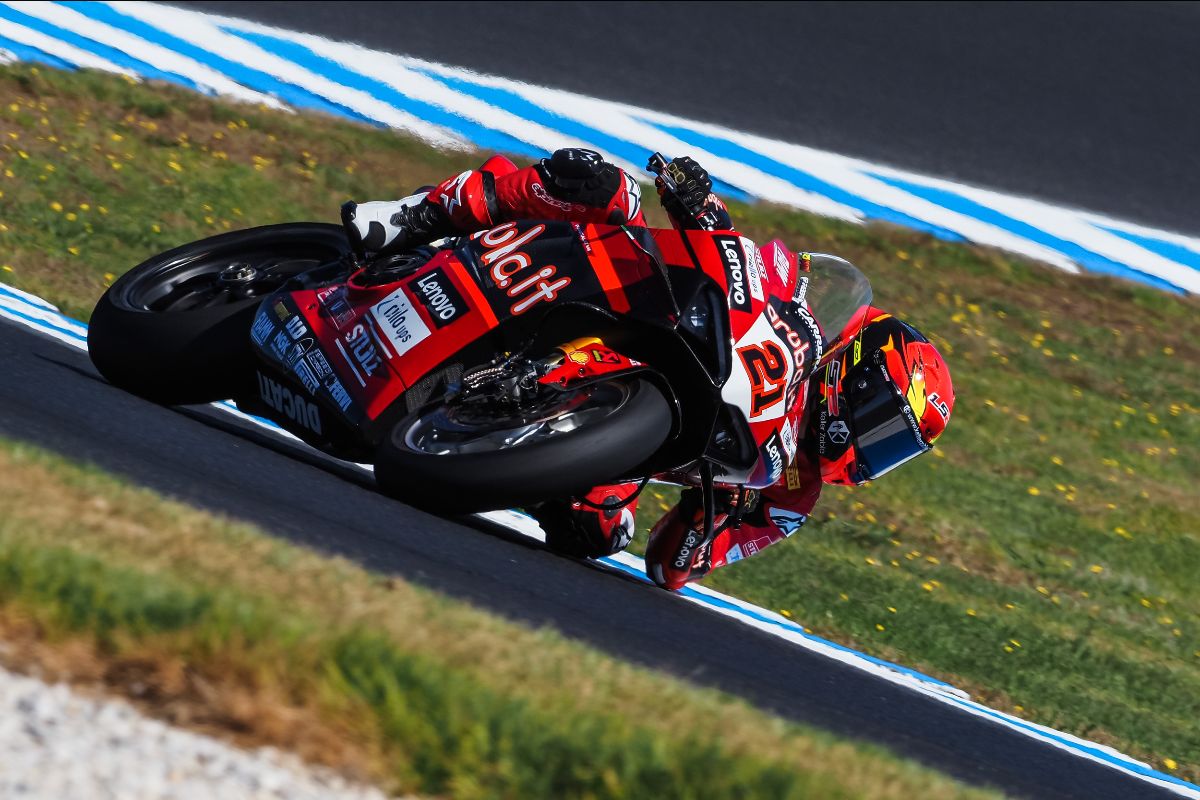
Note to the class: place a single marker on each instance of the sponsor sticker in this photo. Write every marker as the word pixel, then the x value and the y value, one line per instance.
pixel 361 341
pixel 306 376
pixel 512 270
pixel 280 345
pixel 838 432
pixel 733 554
pixel 334 305
pixel 683 559
pixel 801 289
pixel 792 473
pixel 290 404
pixel 782 266
pixel 339 393
pixel 443 302
pixel 296 327
pixel 262 329
pixel 772 452
pixel 788 438
pixel 400 322
pixel 320 364
pixel 814 331
pixel 795 342
pixel 756 545
pixel 754 268
pixel 786 520
pixel 730 248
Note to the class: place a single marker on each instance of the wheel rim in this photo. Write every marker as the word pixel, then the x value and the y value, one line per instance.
pixel 461 429
pixel 215 279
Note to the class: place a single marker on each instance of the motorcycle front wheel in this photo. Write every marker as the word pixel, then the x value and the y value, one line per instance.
pixel 176 328
pixel 451 459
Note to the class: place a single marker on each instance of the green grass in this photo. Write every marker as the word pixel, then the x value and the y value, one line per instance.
pixel 428 695
pixel 1044 557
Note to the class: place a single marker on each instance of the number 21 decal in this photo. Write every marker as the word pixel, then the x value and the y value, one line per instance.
pixel 766 365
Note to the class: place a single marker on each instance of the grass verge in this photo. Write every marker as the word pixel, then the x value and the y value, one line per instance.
pixel 1044 558
pixel 210 622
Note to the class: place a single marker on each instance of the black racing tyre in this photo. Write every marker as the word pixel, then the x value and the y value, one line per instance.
pixel 176 328
pixel 438 460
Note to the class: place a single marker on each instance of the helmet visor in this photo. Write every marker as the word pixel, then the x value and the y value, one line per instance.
pixel 885 434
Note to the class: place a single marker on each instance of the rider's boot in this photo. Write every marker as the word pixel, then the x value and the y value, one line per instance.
pixel 385 227
pixel 600 523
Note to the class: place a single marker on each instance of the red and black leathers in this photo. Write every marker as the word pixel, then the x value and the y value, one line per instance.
pixel 577 185
pixel 501 192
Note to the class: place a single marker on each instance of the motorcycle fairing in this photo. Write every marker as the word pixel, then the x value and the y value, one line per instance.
pixel 383 338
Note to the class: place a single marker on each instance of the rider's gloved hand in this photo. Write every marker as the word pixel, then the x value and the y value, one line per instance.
pixel 390 226
pixel 692 188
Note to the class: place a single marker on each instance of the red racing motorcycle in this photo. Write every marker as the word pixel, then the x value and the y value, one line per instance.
pixel 524 363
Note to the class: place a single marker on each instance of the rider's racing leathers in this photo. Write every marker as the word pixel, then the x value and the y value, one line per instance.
pixel 578 185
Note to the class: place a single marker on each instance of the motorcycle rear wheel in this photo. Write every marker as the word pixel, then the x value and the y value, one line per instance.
pixel 176 328
pixel 436 460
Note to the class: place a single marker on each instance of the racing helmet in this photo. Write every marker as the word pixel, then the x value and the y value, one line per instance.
pixel 886 396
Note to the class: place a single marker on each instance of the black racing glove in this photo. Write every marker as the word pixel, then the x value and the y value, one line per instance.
pixel 692 188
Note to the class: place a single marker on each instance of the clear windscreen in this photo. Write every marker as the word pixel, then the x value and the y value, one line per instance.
pixel 836 294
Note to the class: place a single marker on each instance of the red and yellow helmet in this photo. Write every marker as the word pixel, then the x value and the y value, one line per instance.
pixel 885 397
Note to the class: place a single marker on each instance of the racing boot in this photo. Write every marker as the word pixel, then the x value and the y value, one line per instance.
pixel 600 523
pixel 385 227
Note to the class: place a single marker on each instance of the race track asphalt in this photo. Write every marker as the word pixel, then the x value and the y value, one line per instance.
pixel 52 397
pixel 1090 105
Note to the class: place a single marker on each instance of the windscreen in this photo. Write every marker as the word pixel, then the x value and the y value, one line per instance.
pixel 836 292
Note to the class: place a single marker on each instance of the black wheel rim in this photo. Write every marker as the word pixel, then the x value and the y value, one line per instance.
pixel 461 430
pixel 212 279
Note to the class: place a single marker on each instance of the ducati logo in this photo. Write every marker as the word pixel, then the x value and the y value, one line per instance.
pixel 838 432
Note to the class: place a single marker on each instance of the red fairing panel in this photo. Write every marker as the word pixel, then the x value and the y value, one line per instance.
pixel 387 338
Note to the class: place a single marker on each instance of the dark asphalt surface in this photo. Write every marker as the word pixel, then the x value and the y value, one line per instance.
pixel 1090 105
pixel 51 396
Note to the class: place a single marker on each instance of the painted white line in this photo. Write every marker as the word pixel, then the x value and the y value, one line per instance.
pixel 203 31
pixel 393 71
pixel 158 57
pixel 1071 226
pixel 59 49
